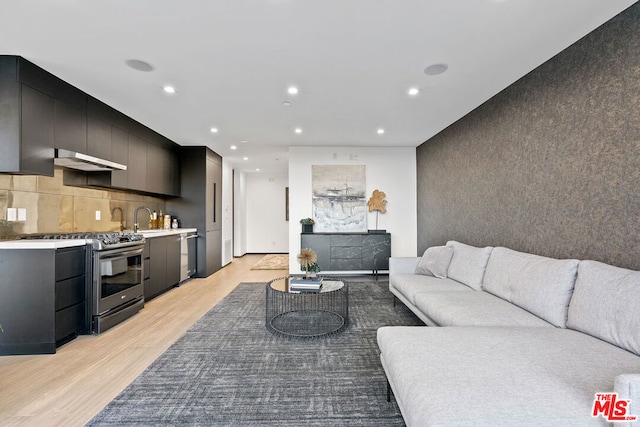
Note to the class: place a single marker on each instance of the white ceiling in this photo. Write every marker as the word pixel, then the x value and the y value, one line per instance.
pixel 231 62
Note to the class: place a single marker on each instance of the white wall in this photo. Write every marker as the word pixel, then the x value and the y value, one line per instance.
pixel 239 215
pixel 227 212
pixel 267 230
pixel 392 170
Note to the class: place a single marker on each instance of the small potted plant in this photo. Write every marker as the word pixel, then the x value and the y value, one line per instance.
pixel 308 262
pixel 307 225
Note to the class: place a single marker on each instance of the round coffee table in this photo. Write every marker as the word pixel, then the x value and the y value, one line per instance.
pixel 307 314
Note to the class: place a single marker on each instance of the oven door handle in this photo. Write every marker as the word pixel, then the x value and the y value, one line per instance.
pixel 121 255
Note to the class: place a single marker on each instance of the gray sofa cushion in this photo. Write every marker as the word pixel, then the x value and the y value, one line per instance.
pixel 538 284
pixel 435 261
pixel 468 264
pixel 499 376
pixel 473 309
pixel 411 284
pixel 606 304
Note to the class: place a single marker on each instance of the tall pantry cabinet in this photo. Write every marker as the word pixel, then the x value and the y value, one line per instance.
pixel 200 204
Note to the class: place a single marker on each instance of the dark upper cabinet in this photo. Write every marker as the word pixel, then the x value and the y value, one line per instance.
pixel 40 112
pixel 162 170
pixel 137 164
pixel 70 127
pixel 98 138
pixel 36 148
pixel 120 154
pixel 26 124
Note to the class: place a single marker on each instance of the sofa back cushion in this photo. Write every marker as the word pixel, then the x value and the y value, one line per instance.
pixel 468 264
pixel 435 261
pixel 606 304
pixel 540 285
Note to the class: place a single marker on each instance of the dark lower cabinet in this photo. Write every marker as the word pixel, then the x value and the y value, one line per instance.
pixel 349 251
pixel 43 298
pixel 164 265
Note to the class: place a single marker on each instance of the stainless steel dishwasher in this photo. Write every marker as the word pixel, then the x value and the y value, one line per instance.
pixel 187 255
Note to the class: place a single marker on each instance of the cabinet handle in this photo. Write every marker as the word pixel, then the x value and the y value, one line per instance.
pixel 214 201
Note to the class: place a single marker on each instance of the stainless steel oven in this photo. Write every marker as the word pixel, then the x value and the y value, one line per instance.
pixel 118 287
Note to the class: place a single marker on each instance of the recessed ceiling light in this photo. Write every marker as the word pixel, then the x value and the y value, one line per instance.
pixel 286 104
pixel 214 130
pixel 380 131
pixel 139 65
pixel 243 142
pixel 169 89
pixel 298 130
pixel 435 69
pixel 413 91
pixel 233 147
pixel 257 169
pixel 292 90
pixel 245 158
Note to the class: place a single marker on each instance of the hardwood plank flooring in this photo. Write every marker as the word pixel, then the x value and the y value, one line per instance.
pixel 70 387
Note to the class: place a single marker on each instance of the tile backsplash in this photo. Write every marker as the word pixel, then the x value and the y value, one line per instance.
pixel 52 207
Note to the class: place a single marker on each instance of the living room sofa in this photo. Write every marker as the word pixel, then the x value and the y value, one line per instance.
pixel 513 339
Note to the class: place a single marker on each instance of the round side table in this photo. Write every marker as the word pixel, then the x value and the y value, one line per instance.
pixel 307 314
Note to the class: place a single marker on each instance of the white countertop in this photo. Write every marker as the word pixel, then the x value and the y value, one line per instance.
pixel 62 243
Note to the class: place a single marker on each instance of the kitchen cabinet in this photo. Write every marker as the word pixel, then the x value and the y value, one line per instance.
pixel 163 265
pixel 200 204
pixel 162 170
pixel 98 138
pixel 137 163
pixel 120 154
pixel 37 132
pixel 40 112
pixel 71 305
pixel 70 127
pixel 26 124
pixel 43 298
pixel 349 251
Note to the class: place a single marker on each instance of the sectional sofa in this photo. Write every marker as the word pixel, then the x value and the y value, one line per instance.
pixel 513 339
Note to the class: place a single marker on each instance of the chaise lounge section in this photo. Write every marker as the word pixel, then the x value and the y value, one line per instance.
pixel 520 339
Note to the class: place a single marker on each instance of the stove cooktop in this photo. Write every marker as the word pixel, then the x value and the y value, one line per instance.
pixel 103 240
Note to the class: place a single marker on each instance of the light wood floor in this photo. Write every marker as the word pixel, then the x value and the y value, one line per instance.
pixel 73 385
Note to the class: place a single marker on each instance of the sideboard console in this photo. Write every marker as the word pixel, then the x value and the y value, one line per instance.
pixel 349 251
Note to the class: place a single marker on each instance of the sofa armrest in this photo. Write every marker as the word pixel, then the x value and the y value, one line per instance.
pixel 400 265
pixel 628 387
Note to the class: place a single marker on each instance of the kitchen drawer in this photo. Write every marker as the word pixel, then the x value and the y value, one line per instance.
pixel 348 252
pixel 70 262
pixel 346 264
pixel 70 292
pixel 346 240
pixel 69 321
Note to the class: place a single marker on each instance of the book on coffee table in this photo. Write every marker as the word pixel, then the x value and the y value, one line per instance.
pixel 305 285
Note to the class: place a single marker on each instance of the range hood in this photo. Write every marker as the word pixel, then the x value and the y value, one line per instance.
pixel 83 162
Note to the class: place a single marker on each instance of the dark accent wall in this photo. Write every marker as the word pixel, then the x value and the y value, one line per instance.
pixel 550 165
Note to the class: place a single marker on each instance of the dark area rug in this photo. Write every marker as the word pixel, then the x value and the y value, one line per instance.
pixel 228 370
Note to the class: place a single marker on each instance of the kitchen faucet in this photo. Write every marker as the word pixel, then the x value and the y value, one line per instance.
pixel 135 217
pixel 113 211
